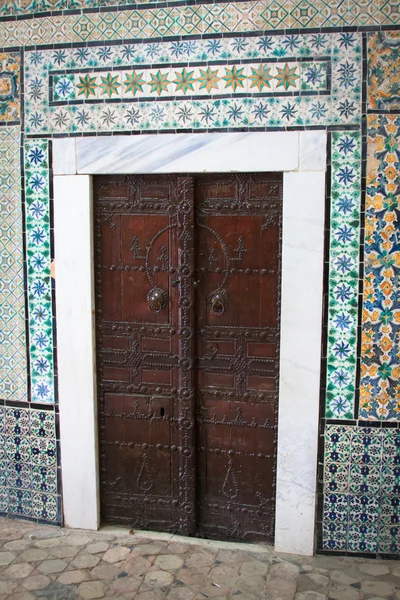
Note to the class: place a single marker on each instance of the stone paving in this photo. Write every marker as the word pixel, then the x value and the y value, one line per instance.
pixel 60 564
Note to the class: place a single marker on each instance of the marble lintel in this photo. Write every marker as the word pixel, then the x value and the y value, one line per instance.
pixel 189 153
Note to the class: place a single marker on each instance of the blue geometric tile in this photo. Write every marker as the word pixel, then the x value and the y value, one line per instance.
pixel 364 509
pixel 361 510
pixel 42 424
pixel 362 537
pixel 3 499
pixel 43 452
pixel 334 535
pixel 45 506
pixel 17 422
pixel 20 502
pixel 337 444
pixel 336 507
pixel 29 471
pixel 19 475
pixel 44 479
pixel 17 449
pixel 366 446
pixel 365 479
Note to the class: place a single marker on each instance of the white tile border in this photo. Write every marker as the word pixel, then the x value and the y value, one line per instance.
pixel 302 158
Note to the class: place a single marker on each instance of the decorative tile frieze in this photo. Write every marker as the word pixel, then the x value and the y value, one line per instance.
pixel 174 21
pixel 13 363
pixel 270 14
pixel 28 464
pixel 380 360
pixel 383 70
pixel 343 274
pixel 361 490
pixel 261 81
pixel 268 47
pixel 278 79
pixel 37 215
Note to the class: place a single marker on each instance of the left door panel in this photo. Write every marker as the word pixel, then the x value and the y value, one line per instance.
pixel 144 316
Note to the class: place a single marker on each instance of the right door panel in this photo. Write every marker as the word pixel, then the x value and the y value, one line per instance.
pixel 237 278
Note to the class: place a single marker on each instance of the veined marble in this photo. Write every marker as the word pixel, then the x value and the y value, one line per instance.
pixel 183 153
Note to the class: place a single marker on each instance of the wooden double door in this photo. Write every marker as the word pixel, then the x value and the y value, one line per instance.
pixel 187 286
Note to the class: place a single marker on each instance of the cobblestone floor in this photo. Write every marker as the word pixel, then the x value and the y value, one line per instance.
pixel 61 564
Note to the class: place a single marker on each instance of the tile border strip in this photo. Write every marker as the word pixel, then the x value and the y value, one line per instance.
pixel 172 22
pixel 13 351
pixel 277 14
pixel 342 290
pixel 39 281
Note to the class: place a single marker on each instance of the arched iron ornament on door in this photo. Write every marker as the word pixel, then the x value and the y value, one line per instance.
pixel 187 285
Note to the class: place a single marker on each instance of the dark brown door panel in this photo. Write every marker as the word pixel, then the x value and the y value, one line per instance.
pixel 188 292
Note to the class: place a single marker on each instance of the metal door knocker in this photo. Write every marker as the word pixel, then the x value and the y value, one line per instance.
pixel 157 299
pixel 219 302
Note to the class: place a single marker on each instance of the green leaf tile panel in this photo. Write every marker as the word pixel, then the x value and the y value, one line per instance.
pixel 40 312
pixel 343 274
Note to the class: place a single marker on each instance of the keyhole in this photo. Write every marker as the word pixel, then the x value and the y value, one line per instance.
pixel 162 411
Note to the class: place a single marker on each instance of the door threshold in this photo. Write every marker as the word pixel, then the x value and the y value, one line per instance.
pixel 123 532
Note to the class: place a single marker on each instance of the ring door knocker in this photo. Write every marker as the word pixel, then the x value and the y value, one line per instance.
pixel 219 302
pixel 157 298
pixel 218 299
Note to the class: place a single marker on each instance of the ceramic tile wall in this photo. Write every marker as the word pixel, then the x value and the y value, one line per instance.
pixel 29 466
pixel 154 67
pixel 359 484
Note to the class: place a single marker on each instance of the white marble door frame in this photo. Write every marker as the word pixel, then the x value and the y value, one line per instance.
pixel 301 156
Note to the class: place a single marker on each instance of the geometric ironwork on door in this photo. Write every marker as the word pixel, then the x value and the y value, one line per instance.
pixel 187 311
